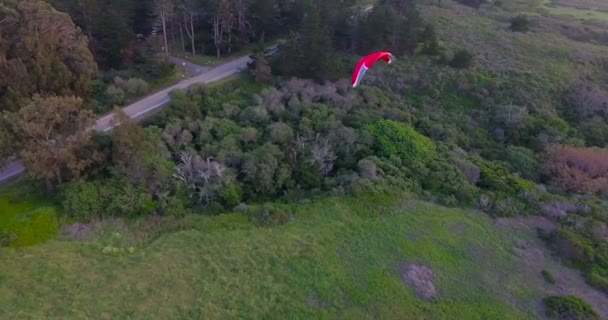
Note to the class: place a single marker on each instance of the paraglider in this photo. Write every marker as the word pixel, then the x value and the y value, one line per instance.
pixel 367 62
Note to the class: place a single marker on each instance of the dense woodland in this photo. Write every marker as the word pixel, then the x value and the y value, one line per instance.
pixel 293 128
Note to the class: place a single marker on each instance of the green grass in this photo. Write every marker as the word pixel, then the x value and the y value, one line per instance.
pixel 30 219
pixel 576 11
pixel 338 252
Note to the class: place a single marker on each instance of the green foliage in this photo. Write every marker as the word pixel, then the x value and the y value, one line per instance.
pixel 523 161
pixel 89 200
pixel 597 276
pixel 136 87
pixel 520 23
pixel 569 308
pixel 548 276
pixel 270 215
pixel 42 51
pixel 445 179
pixel 497 178
pixel 462 59
pixel 116 95
pixel 393 138
pixel 574 247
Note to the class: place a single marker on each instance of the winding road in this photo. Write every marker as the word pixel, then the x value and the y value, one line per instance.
pixel 143 107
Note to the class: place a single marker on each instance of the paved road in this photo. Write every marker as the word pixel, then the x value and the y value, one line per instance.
pixel 141 108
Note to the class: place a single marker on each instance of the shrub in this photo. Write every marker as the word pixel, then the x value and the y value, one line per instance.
pixel 462 59
pixel 394 138
pixel 579 170
pixel 116 95
pixel 522 161
pixel 472 3
pixel 83 200
pixel 497 178
pixel 569 308
pixel 548 276
pixel 574 247
pixel 89 200
pixel 157 68
pixel 280 133
pixel 598 277
pixel 270 215
pixel 445 179
pixel 520 23
pixel 136 87
pixel 469 170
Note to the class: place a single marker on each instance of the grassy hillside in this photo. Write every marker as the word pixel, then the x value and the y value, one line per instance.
pixel 338 259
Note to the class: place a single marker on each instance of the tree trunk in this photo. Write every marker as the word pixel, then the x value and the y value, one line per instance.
pixel 181 35
pixel 192 37
pixel 173 34
pixel 189 20
pixel 217 35
pixel 164 22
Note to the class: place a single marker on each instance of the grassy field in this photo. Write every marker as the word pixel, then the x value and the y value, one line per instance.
pixel 25 218
pixel 580 9
pixel 339 259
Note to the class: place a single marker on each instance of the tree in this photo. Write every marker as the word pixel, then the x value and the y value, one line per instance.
pixel 462 59
pixel 41 51
pixel 111 25
pixel 260 68
pixel 309 53
pixel 391 26
pixel 264 171
pixel 187 10
pixel 53 137
pixel 205 178
pixel 223 24
pixel 165 11
pixel 139 155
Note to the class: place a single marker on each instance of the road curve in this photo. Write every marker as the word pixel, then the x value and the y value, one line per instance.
pixel 141 108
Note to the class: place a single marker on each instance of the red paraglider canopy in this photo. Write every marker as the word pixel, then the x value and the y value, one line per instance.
pixel 367 62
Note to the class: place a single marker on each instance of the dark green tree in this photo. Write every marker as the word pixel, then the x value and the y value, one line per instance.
pixel 41 51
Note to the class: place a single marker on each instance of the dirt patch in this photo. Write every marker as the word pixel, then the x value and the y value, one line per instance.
pixel 316 303
pixel 457 229
pixel 420 278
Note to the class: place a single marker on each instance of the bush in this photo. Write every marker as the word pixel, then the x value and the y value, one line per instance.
pixel 548 276
pixel 136 87
pixel 445 179
pixel 462 59
pixel 116 95
pixel 270 215
pixel 579 170
pixel 574 247
pixel 83 200
pixel 394 138
pixel 569 308
pixel 88 200
pixel 520 23
pixel 598 277
pixel 157 68
pixel 522 161
pixel 497 178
